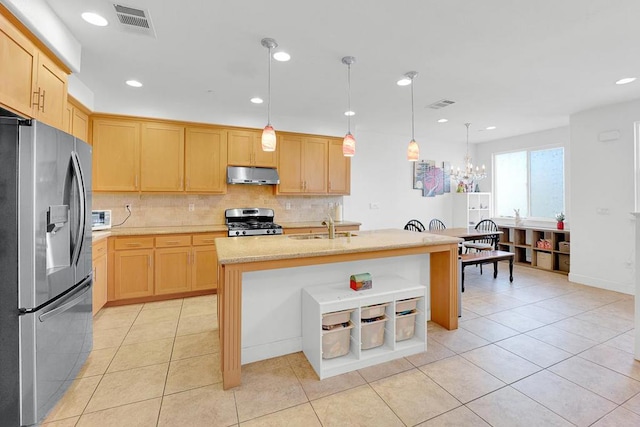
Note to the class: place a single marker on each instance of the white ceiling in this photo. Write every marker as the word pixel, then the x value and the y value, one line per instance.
pixel 520 65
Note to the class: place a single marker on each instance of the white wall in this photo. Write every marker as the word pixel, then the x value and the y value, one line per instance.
pixel 599 178
pixel 602 230
pixel 381 174
pixel 80 91
pixel 552 137
pixel 40 19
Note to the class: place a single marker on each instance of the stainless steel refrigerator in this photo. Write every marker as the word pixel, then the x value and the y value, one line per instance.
pixel 45 266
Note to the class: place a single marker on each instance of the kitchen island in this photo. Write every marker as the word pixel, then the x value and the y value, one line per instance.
pixel 261 278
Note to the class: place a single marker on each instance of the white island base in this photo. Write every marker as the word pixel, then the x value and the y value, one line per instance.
pixel 282 310
pixel 261 280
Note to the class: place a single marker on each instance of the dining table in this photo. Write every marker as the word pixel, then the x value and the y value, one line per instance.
pixel 464 233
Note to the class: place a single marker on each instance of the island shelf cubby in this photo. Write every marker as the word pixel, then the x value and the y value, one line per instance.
pixel 322 299
pixel 522 241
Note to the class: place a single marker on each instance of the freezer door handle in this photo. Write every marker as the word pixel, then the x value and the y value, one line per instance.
pixel 79 177
pixel 77 298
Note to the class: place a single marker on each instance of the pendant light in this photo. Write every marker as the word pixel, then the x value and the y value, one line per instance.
pixel 269 134
pixel 349 142
pixel 413 151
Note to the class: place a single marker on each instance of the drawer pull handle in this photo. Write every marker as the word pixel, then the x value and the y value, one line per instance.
pixel 172 242
pixel 208 240
pixel 133 244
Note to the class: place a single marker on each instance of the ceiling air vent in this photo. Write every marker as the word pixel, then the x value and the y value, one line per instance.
pixel 134 20
pixel 440 104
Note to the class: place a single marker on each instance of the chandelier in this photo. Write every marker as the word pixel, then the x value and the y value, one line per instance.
pixel 468 176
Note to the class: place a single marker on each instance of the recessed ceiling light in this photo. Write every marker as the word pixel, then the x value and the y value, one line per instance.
pixel 134 83
pixel 625 80
pixel 257 100
pixel 405 81
pixel 281 56
pixel 490 127
pixel 443 121
pixel 349 113
pixel 95 19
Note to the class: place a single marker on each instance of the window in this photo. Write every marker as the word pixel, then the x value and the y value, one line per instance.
pixel 532 181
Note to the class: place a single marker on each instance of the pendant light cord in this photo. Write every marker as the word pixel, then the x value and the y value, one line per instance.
pixel 412 118
pixel 269 92
pixel 467 159
pixel 349 97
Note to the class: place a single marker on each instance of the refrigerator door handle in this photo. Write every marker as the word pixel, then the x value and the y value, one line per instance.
pixel 78 297
pixel 77 172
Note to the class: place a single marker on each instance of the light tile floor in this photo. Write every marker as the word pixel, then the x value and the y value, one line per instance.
pixel 540 351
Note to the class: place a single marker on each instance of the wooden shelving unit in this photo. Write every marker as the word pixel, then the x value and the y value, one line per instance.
pixel 522 241
pixel 471 208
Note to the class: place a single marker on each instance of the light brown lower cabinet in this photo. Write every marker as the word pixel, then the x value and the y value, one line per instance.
pixel 204 266
pixel 99 258
pixel 173 274
pixel 133 273
pixel 164 265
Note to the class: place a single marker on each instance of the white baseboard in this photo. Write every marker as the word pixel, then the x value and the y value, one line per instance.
pixel 625 288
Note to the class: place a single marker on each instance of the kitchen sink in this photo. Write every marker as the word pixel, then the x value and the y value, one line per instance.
pixel 320 235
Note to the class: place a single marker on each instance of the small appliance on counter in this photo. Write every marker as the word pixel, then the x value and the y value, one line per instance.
pixel 100 220
pixel 251 222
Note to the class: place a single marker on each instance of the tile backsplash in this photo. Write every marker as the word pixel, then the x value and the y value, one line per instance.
pixel 151 210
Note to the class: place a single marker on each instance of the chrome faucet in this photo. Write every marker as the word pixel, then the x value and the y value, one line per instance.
pixel 331 226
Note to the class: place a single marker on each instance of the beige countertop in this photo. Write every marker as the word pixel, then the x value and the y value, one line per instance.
pixel 211 228
pixel 236 250
pixel 96 236
pixel 313 224
pixel 138 231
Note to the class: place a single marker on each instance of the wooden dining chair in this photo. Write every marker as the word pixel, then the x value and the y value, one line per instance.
pixel 436 224
pixel 414 225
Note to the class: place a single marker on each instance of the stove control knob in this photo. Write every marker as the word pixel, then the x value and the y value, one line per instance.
pixel 237 232
pixel 268 231
pixel 244 232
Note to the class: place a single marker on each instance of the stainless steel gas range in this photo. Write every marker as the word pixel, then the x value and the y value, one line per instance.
pixel 251 222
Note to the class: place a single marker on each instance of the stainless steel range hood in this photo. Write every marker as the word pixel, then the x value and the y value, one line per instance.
pixel 252 176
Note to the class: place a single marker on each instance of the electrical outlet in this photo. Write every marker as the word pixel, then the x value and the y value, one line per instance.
pixel 374 205
pixel 128 206
pixel 192 207
pixel 287 206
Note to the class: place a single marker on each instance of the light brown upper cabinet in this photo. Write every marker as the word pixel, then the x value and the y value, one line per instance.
pixel 245 149
pixel 161 157
pixel 30 82
pixel 302 165
pixel 116 155
pixel 19 67
pixel 50 96
pixel 339 169
pixel 152 157
pixel 206 160
pixel 77 119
